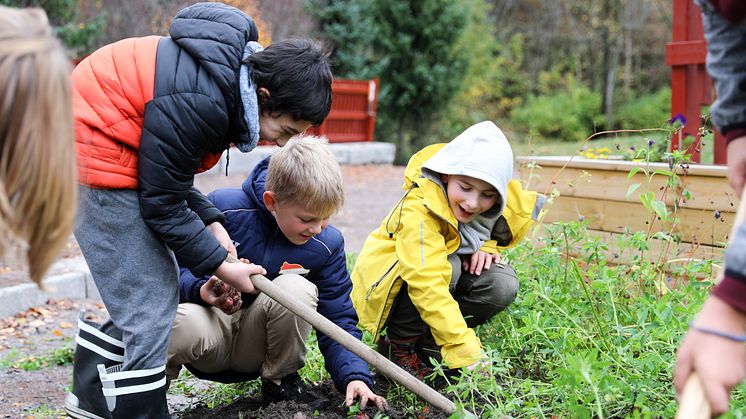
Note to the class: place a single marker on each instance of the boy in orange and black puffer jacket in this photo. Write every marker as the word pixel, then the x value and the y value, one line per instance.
pixel 150 113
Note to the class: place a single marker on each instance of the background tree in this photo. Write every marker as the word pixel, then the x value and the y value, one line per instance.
pixel 79 33
pixel 348 29
pixel 420 66
pixel 153 17
pixel 536 67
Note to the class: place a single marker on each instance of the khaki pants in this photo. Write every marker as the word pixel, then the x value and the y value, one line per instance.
pixel 264 337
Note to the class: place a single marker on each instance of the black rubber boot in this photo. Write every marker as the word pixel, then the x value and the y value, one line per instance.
pixel 135 394
pixel 95 344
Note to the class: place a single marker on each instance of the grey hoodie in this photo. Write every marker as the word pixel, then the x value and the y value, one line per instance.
pixel 481 152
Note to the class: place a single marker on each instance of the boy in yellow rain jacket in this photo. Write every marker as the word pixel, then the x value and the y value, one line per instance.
pixel 433 264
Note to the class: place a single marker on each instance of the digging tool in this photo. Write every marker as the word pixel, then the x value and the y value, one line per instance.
pixel 694 404
pixel 381 363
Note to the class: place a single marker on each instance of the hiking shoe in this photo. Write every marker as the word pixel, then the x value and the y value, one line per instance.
pixel 292 388
pixel 403 352
pixel 428 350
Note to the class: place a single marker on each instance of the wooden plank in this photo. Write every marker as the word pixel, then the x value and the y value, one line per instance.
pixel 621 165
pixel 686 52
pixel 708 193
pixel 697 226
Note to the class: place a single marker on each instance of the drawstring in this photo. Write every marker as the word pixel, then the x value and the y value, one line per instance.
pixel 399 204
pixel 227 159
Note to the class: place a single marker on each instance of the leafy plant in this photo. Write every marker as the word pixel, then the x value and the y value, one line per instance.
pixel 57 357
pixel 566 115
pixel 419 65
pixel 348 28
pixel 79 35
pixel 646 110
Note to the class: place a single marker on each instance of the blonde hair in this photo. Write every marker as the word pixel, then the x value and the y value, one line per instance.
pixel 306 172
pixel 38 182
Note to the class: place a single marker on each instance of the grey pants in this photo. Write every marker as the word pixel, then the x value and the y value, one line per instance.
pixel 134 271
pixel 478 297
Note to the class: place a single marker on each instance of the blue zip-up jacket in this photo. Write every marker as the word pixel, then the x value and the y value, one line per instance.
pixel 259 239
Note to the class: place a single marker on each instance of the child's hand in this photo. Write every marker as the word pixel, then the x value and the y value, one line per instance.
pixel 221 295
pixel 482 367
pixel 480 261
pixel 238 275
pixel 223 237
pixel 357 388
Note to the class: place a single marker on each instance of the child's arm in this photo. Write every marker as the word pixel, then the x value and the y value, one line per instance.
pixel 334 286
pixel 177 131
pixel 238 275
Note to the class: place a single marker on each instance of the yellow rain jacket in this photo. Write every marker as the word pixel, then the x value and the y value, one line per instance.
pixel 412 244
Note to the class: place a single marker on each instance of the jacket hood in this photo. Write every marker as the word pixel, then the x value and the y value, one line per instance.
pixel 481 152
pixel 215 34
pixel 254 186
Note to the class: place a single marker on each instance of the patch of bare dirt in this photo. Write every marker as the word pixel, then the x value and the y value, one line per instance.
pixel 334 409
pixel 37 339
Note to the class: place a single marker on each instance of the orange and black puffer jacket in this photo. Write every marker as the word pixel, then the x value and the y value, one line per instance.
pixel 152 112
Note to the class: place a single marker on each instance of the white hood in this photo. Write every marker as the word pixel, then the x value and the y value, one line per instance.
pixel 481 152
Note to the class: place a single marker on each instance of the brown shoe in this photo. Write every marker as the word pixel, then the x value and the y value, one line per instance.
pixel 404 354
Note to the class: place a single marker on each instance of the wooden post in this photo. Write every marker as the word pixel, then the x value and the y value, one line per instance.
pixel 691 86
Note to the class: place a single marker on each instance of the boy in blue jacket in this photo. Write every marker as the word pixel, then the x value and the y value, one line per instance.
pixel 279 219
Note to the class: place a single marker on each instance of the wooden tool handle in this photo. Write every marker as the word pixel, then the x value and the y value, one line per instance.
pixel 694 404
pixel 327 327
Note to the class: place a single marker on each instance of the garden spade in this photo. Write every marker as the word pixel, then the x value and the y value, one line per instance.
pixel 381 363
pixel 693 403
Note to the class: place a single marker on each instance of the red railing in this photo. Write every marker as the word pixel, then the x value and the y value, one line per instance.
pixel 691 86
pixel 353 113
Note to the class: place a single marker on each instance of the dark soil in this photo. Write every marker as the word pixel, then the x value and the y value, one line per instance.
pixel 253 408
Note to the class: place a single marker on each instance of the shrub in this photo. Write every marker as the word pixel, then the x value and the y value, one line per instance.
pixel 569 115
pixel 645 111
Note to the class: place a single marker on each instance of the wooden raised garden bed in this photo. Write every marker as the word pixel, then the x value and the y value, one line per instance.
pixel 595 191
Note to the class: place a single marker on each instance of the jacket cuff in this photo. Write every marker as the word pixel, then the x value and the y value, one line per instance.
pixel 212 217
pixel 195 296
pixel 732 290
pixel 734 131
pixel 366 378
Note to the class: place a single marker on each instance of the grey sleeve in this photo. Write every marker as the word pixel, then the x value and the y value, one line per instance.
pixel 726 64
pixel 735 255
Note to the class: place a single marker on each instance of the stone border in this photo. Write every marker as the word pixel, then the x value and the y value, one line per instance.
pixel 75 283
pixel 354 153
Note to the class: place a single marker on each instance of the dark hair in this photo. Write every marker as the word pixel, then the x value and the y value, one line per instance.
pixel 298 77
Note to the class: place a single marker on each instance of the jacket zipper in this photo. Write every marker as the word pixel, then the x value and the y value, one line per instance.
pixel 375 284
pixel 441 217
pixel 380 318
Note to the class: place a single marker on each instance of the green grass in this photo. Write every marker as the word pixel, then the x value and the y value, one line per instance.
pixel 56 357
